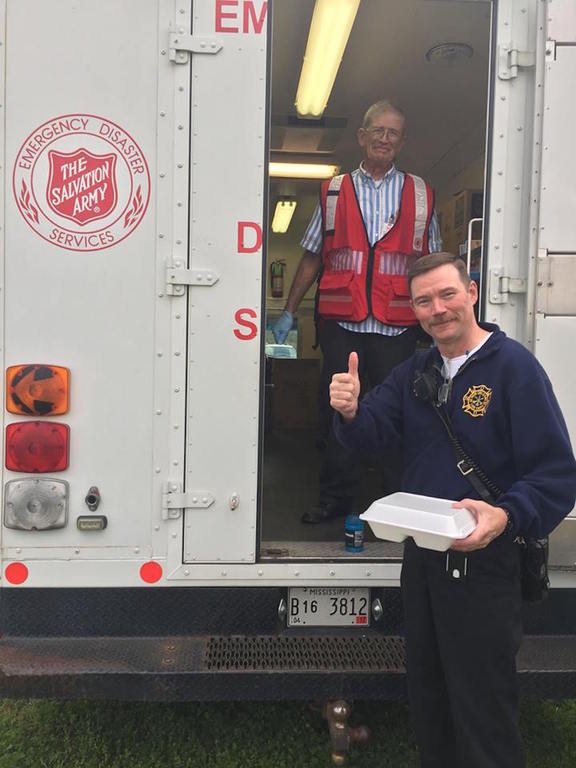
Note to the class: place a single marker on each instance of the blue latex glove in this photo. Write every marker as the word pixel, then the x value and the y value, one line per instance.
pixel 282 326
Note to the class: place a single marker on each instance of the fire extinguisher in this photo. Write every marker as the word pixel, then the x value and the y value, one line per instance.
pixel 277 278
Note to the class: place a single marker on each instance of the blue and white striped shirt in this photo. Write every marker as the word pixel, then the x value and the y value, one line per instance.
pixel 379 202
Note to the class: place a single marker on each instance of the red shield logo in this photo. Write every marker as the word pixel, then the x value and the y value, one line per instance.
pixel 81 186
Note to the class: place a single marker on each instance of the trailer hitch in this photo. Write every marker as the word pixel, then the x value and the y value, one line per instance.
pixel 342 735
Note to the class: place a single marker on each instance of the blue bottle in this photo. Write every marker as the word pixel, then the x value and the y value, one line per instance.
pixel 354 534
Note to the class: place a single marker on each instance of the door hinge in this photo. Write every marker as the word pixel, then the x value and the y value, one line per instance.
pixel 510 59
pixel 181 45
pixel 500 285
pixel 177 279
pixel 174 500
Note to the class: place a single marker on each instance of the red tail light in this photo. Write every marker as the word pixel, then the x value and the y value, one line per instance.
pixel 37 446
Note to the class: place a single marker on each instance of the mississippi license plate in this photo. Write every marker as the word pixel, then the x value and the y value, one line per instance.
pixel 328 606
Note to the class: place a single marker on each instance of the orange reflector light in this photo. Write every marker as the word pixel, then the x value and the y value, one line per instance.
pixel 37 390
pixel 37 446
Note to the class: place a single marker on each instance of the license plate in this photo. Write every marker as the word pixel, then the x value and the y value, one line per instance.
pixel 328 606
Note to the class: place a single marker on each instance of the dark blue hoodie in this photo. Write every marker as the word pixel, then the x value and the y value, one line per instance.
pixel 505 415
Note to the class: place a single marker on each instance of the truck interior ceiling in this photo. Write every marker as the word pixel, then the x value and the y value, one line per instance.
pixel 431 58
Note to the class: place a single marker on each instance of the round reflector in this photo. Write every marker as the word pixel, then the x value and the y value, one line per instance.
pixel 16 573
pixel 37 390
pixel 151 572
pixel 36 504
pixel 37 446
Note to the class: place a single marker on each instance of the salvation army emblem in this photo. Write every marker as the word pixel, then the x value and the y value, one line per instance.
pixel 81 182
pixel 81 185
pixel 476 400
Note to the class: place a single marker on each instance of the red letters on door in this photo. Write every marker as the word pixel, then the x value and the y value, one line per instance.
pixel 227 20
pixel 251 329
pixel 243 226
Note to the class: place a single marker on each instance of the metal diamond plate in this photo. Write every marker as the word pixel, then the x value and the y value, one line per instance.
pixel 334 654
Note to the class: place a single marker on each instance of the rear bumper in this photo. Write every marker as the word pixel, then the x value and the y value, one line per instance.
pixel 257 668
pixel 203 644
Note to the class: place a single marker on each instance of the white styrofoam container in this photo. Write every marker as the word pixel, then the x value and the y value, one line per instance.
pixel 432 523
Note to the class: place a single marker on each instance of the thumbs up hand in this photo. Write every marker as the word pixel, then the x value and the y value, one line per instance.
pixel 345 390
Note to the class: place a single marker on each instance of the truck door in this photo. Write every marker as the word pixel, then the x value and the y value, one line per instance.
pixel 227 148
pixel 531 244
pixel 530 251
pixel 555 298
pixel 555 263
pixel 97 126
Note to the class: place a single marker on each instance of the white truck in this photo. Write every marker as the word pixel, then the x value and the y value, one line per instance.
pixel 134 241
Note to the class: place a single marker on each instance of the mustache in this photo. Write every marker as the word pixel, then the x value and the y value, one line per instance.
pixel 441 322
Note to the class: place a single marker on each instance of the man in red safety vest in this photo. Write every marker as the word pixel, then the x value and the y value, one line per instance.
pixel 367 230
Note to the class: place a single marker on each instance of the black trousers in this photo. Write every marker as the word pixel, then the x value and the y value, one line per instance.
pixel 377 356
pixel 462 636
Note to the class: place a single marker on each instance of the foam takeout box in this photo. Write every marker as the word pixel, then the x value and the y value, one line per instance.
pixel 432 523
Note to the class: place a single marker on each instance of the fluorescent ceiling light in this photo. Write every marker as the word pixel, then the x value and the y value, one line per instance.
pixel 329 31
pixel 283 215
pixel 303 170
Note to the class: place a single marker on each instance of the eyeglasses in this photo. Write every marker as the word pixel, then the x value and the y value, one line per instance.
pixel 381 133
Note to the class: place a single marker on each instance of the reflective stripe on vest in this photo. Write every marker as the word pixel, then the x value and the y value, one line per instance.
pixel 331 202
pixel 420 213
pixel 420 209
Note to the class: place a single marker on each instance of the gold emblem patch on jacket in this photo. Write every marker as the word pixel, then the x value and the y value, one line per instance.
pixel 476 400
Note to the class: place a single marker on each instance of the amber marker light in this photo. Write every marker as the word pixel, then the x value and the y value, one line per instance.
pixel 37 390
pixel 37 446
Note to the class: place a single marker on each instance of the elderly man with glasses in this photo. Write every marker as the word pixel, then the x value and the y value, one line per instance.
pixel 367 230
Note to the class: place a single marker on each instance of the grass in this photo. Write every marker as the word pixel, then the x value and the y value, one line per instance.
pixel 46 734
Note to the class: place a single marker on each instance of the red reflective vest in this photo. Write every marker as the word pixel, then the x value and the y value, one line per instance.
pixel 358 279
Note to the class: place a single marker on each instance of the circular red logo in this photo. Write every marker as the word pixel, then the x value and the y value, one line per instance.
pixel 81 182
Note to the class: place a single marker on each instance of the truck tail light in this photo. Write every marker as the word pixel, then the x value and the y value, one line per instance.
pixel 37 446
pixel 37 390
pixel 36 504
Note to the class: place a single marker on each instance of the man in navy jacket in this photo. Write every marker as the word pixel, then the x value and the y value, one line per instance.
pixel 462 611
